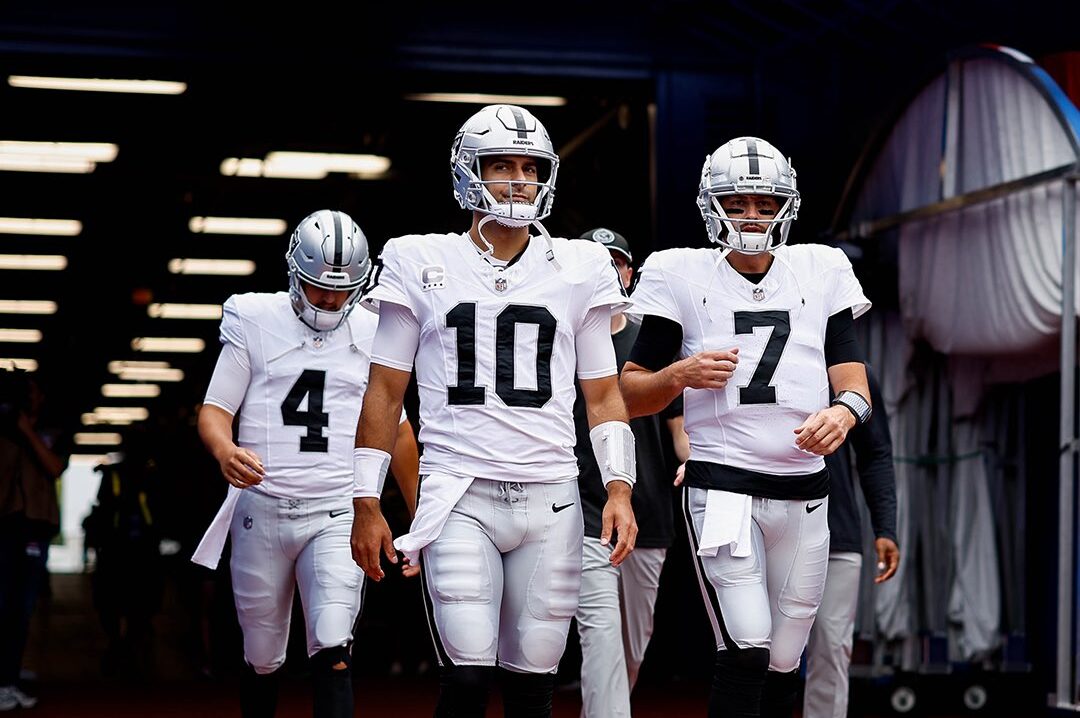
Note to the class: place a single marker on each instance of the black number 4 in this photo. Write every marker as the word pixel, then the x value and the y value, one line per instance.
pixel 310 384
pixel 759 390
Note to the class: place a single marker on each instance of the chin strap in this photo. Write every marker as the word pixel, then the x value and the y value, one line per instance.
pixel 490 251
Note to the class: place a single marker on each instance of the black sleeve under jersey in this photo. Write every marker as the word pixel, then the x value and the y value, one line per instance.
pixel 657 344
pixel 841 344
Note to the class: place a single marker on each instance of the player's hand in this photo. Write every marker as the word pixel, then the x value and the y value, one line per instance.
pixel 619 517
pixel 707 370
pixel 888 556
pixel 408 570
pixel 242 468
pixel 824 431
pixel 371 534
pixel 680 474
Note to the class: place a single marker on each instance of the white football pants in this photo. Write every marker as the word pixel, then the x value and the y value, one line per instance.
pixel 277 544
pixel 768 599
pixel 501 581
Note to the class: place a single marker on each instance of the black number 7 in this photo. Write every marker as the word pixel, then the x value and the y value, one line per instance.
pixel 759 390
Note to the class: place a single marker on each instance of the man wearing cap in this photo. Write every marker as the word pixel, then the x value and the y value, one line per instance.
pixel 615 613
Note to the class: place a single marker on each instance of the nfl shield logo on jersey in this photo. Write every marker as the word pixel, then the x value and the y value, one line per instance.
pixel 247 522
pixel 759 294
pixel 500 284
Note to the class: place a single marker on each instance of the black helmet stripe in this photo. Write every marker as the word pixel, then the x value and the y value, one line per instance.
pixel 519 120
pixel 751 150
pixel 339 240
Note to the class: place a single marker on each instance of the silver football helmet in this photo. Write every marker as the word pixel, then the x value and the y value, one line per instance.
pixel 503 130
pixel 328 250
pixel 747 165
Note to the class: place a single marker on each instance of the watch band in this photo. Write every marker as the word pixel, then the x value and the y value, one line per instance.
pixel 856 404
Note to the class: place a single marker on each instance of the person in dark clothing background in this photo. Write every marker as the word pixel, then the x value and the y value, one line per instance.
pixel 32 458
pixel 828 653
pixel 615 613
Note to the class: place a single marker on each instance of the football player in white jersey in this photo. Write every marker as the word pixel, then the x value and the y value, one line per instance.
pixel 294 365
pixel 496 323
pixel 752 334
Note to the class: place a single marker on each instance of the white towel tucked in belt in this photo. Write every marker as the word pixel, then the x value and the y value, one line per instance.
pixel 209 550
pixel 439 494
pixel 727 521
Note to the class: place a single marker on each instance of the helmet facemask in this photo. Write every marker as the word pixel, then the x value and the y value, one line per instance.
pixel 727 231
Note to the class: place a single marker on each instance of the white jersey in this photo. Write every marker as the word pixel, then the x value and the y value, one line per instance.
pixel 778 326
pixel 496 359
pixel 303 400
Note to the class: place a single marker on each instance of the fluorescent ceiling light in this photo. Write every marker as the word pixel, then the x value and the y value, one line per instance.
pixel 22 364
pixel 22 336
pixel 91 419
pixel 48 262
pixel 25 225
pixel 31 163
pixel 87 459
pixel 97 438
pixel 143 391
pixel 134 413
pixel 479 98
pixel 93 151
pixel 167 344
pixel 151 374
pixel 79 157
pixel 182 311
pixel 27 306
pixel 147 87
pixel 233 267
pixel 306 165
pixel 237 225
pixel 115 367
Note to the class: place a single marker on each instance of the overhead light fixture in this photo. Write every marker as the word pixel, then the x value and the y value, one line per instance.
pixel 132 413
pixel 237 225
pixel 146 87
pixel 171 375
pixel 27 306
pixel 18 364
pixel 184 345
pixel 87 459
pixel 479 98
pixel 20 336
pixel 97 438
pixel 30 163
pixel 182 311
pixel 232 267
pixel 127 391
pixel 91 419
pixel 307 165
pixel 45 262
pixel 26 225
pixel 115 367
pixel 72 157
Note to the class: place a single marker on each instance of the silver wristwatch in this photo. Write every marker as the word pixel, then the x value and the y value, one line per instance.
pixel 857 405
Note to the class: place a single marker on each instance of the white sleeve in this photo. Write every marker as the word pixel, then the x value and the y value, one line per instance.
pixel 652 293
pixel 595 352
pixel 608 290
pixel 397 337
pixel 229 383
pixel 847 292
pixel 386 284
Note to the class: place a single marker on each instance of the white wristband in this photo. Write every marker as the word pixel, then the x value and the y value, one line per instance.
pixel 613 446
pixel 369 472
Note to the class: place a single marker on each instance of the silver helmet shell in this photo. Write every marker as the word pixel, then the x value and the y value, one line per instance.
pixel 747 166
pixel 503 130
pixel 327 250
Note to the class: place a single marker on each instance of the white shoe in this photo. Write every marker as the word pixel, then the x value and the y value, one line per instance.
pixel 11 697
